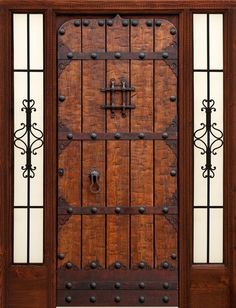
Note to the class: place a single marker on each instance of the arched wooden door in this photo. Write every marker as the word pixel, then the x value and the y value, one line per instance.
pixel 117 161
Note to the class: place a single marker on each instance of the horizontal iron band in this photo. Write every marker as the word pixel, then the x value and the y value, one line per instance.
pixel 116 136
pixel 170 55
pixel 124 285
pixel 121 298
pixel 118 210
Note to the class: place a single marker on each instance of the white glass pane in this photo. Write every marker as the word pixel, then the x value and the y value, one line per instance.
pixel 20 183
pixel 200 236
pixel 20 40
pixel 216 41
pixel 20 236
pixel 216 235
pixel 36 41
pixel 200 41
pixel 200 183
pixel 216 93
pixel 36 235
pixel 36 93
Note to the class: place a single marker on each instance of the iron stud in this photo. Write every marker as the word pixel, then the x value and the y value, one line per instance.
pixel 61 171
pixel 165 210
pixel 141 210
pixel 93 285
pixel 141 135
pixel 70 55
pixel 142 299
pixel 86 23
pixel 117 55
pixel 165 265
pixel 165 299
pixel 61 256
pixel 165 135
pixel 94 56
pixel 94 210
pixel 117 135
pixel 69 210
pixel 77 23
pixel 92 299
pixel 134 22
pixel 62 98
pixel 117 299
pixel 173 172
pixel 70 136
pixel 173 31
pixel 158 23
pixel 165 55
pixel 117 285
pixel 149 23
pixel 142 285
pixel 69 265
pixel 109 22
pixel 62 31
pixel 141 55
pixel 173 256
pixel 141 265
pixel 117 265
pixel 68 299
pixel 68 285
pixel 173 98
pixel 93 136
pixel 101 23
pixel 125 22
pixel 117 210
pixel 166 285
pixel 93 265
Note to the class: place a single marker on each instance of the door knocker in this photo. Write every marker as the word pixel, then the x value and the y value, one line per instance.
pixel 94 176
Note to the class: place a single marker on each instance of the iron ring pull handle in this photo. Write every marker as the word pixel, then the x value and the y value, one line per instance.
pixel 94 177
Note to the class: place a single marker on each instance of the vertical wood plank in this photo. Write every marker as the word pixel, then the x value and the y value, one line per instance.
pixel 117 151
pixel 142 151
pixel 93 234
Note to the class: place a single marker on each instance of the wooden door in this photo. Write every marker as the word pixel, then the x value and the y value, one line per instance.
pixel 117 161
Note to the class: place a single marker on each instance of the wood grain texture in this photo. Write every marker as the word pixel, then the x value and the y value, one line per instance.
pixel 142 152
pixel 117 153
pixel 93 235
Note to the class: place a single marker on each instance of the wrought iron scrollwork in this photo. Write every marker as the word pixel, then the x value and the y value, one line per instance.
pixel 208 138
pixel 28 138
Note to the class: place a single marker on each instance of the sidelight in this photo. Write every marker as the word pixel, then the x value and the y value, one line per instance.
pixel 208 138
pixel 28 138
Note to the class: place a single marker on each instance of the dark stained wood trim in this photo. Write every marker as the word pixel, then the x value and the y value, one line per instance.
pixel 185 156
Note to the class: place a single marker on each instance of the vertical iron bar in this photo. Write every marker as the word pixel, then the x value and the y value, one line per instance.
pixel 208 154
pixel 28 155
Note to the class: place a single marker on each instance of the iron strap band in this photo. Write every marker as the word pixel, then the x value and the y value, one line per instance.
pixel 124 285
pixel 117 136
pixel 118 210
pixel 170 55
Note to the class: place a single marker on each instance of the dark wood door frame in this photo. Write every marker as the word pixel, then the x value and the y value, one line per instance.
pixel 34 286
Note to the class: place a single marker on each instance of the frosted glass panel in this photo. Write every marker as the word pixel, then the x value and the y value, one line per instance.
pixel 36 41
pixel 216 235
pixel 28 138
pixel 20 41
pixel 200 93
pixel 20 235
pixel 36 235
pixel 200 41
pixel 20 183
pixel 36 93
pixel 216 41
pixel 200 236
pixel 216 93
